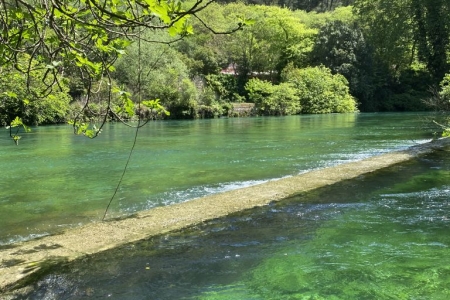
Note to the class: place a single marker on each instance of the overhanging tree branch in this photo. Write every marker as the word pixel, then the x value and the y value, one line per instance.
pixel 86 36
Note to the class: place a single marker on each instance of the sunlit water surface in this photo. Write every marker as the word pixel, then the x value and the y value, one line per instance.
pixel 54 179
pixel 381 236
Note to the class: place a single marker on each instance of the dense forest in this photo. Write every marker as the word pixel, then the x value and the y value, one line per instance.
pixel 273 57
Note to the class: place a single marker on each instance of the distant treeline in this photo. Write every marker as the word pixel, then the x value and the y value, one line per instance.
pixel 306 5
pixel 291 57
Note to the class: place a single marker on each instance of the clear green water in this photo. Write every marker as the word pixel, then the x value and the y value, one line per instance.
pixel 381 236
pixel 54 179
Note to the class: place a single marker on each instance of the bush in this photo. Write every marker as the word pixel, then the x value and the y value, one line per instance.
pixel 320 91
pixel 273 99
pixel 224 87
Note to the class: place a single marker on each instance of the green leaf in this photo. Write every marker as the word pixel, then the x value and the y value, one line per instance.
pixel 189 29
pixel 173 31
pixel 83 128
pixel 156 106
pixel 446 133
pixel 10 94
pixel 16 122
pixel 249 22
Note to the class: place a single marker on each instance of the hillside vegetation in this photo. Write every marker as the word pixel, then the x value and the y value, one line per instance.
pixel 283 57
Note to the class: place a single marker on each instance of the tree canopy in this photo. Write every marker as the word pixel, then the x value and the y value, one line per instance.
pixel 84 36
pixel 112 57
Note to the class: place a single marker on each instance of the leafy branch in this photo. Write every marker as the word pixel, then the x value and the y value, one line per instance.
pixel 18 125
pixel 86 37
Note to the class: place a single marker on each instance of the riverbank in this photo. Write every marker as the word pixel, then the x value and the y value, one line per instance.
pixel 22 262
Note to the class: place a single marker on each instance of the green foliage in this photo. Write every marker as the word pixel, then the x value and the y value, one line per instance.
pixel 210 111
pixel 376 45
pixel 387 26
pixel 403 30
pixel 18 124
pixel 181 102
pixel 84 39
pixel 123 109
pixel 342 48
pixel 305 5
pixel 445 89
pixel 259 90
pixel 408 92
pixel 284 100
pixel 273 99
pixel 216 95
pixel 156 107
pixel 317 20
pixel 91 108
pixel 223 86
pixel 408 101
pixel 208 62
pixel 432 34
pixel 446 132
pixel 163 75
pixel 149 109
pixel 320 91
pixel 406 36
pixel 86 129
pixel 264 48
pixel 204 51
pixel 126 105
pixel 87 36
pixel 28 97
pixel 441 102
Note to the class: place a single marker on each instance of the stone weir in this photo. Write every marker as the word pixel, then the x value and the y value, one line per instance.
pixel 22 263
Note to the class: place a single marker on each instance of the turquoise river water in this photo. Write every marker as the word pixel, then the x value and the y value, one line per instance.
pixel 381 236
pixel 54 179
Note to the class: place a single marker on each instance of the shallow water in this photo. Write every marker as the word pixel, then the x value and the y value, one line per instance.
pixel 54 180
pixel 381 236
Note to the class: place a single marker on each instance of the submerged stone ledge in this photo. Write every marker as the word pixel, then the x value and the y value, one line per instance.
pixel 22 262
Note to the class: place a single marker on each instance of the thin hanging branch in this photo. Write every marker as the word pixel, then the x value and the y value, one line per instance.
pixel 139 100
pixel 88 36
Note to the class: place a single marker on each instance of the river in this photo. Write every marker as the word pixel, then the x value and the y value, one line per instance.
pixel 54 180
pixel 381 236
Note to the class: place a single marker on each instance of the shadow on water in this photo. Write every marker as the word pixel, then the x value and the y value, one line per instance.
pixel 381 236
